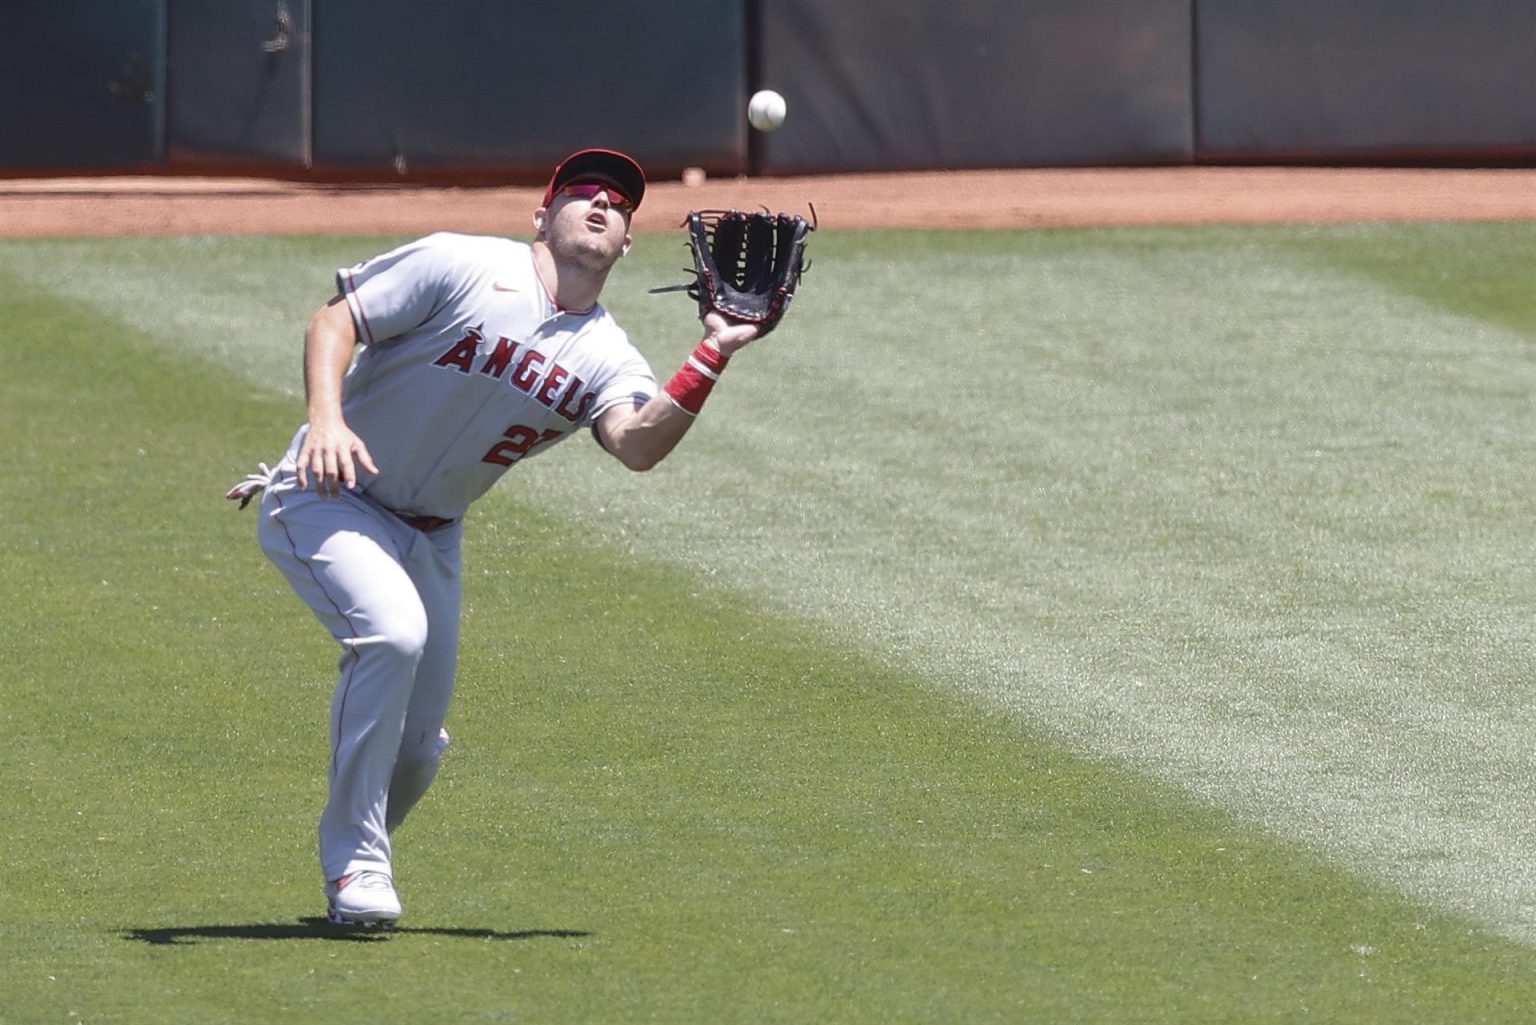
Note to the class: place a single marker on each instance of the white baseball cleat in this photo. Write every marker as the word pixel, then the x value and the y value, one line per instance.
pixel 362 898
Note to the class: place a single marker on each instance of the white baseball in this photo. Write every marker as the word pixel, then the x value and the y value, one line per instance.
pixel 766 110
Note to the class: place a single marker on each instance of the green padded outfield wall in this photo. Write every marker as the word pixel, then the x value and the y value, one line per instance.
pixel 500 89
pixel 508 88
pixel 82 85
pixel 923 84
pixel 238 83
pixel 1366 80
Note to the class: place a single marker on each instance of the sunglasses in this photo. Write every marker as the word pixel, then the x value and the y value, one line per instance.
pixel 589 190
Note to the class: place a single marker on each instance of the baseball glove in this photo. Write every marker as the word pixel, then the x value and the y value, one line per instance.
pixel 747 265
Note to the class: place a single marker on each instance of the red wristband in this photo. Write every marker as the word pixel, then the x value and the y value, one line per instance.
pixel 692 383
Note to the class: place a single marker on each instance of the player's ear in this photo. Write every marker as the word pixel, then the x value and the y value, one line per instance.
pixel 627 243
pixel 540 217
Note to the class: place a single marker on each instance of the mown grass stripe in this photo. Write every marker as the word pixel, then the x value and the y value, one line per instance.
pixel 741 817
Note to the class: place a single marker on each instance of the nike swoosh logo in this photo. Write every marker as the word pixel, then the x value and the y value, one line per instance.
pixel 498 286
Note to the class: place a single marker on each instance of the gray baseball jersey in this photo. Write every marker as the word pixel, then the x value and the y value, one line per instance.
pixel 468 366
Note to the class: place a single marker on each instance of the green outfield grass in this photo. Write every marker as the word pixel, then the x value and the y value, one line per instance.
pixel 1073 626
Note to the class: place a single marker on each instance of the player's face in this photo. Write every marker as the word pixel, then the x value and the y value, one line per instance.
pixel 587 225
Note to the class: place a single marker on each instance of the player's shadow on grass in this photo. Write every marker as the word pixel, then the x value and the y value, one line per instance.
pixel 320 929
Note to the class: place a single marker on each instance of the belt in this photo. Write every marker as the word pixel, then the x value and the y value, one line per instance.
pixel 426 524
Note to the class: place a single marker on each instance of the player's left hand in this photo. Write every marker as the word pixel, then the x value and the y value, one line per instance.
pixel 728 336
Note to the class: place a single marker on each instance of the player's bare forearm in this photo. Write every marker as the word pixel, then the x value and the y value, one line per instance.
pixel 329 344
pixel 330 452
pixel 642 437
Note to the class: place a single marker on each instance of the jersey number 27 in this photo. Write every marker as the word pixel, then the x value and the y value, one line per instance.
pixel 519 441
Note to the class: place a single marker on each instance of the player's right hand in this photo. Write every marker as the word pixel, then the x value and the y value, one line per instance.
pixel 330 455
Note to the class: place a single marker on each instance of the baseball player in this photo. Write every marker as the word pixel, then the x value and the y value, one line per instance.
pixel 436 368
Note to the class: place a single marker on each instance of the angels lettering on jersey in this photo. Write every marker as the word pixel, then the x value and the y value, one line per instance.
pixel 468 366
pixel 530 372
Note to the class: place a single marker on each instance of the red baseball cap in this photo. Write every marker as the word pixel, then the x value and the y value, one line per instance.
pixel 604 165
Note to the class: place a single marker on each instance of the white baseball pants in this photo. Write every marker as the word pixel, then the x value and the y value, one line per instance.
pixel 390 595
